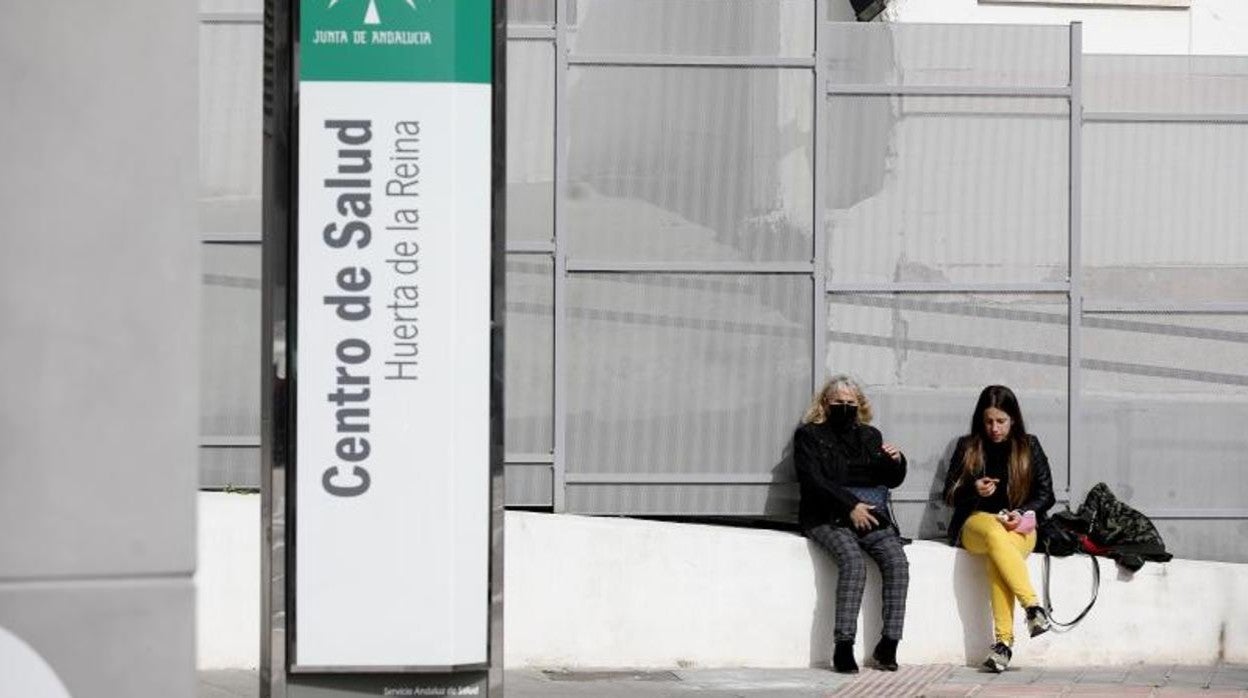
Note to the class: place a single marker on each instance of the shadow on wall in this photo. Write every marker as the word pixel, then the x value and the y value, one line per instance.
pixel 970 591
pixel 871 622
pixel 825 605
pixel 934 523
pixel 783 493
pixel 968 585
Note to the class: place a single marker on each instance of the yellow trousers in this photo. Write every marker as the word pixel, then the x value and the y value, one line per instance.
pixel 1005 553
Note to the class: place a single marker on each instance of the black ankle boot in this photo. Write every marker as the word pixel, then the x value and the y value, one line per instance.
pixel 843 658
pixel 885 654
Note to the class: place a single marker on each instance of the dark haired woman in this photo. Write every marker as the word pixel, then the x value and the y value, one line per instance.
pixel 845 470
pixel 1000 486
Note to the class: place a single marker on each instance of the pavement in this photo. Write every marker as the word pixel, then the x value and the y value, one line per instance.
pixel 933 680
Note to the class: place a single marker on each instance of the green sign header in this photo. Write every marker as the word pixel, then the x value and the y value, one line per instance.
pixel 396 40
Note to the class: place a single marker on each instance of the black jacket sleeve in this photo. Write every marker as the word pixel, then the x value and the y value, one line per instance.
pixel 810 470
pixel 961 494
pixel 1040 497
pixel 888 472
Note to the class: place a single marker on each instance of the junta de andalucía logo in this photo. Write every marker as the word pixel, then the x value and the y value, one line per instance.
pixel 371 16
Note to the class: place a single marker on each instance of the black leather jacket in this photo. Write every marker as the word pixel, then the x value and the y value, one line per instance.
pixel 827 460
pixel 1039 496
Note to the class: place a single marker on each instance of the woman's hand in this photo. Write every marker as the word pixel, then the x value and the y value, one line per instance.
pixel 985 486
pixel 861 516
pixel 892 451
pixel 1012 520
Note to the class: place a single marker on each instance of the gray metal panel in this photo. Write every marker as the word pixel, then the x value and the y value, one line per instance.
pixel 530 33
pixel 530 459
pixel 232 17
pixel 1167 307
pixel 529 486
pixel 1165 117
pixel 592 265
pixel 962 189
pixel 948 54
pixel 650 478
pixel 230 92
pixel 692 27
pixel 237 6
pixel 629 59
pixel 690 164
pixel 928 287
pixel 1144 183
pixel 530 354
pixel 229 467
pixel 686 373
pixel 1152 357
pixel 1206 540
pixel 1178 452
pixel 98 290
pixel 835 89
pixel 1175 84
pixel 531 11
pixel 925 359
pixel 542 248
pixel 954 341
pixel 530 140
pixel 230 341
pixel 116 637
pixel 778 501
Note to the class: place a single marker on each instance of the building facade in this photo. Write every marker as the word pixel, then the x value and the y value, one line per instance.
pixel 714 205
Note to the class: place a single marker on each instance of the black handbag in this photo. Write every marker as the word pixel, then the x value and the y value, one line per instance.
pixel 878 497
pixel 1060 535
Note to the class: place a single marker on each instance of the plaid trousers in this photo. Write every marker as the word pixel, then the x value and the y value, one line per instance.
pixel 846 548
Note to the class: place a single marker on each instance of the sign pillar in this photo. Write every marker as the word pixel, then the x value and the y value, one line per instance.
pixel 383 296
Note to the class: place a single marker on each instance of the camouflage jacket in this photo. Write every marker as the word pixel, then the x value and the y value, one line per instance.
pixel 1126 535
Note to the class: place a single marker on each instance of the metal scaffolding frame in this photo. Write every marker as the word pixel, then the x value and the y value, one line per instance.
pixel 1081 312
pixel 821 287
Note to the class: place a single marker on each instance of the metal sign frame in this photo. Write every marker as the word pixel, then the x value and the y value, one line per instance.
pixel 279 678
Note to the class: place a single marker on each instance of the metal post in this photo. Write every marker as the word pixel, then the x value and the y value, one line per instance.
pixel 498 362
pixel 276 349
pixel 560 293
pixel 819 292
pixel 1074 374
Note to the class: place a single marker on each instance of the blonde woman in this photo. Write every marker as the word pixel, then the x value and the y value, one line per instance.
pixel 1000 487
pixel 845 469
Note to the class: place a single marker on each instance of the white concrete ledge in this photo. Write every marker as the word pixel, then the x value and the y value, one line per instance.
pixel 616 592
pixel 609 592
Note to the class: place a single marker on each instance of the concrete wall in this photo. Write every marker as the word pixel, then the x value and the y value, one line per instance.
pixel 1207 27
pixel 98 304
pixel 605 592
pixel 227 581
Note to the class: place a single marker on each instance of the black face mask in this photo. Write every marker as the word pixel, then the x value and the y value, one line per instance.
pixel 841 416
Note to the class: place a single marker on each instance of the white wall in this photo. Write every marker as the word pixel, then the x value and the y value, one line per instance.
pixel 609 592
pixel 1207 27
pixel 99 304
pixel 227 581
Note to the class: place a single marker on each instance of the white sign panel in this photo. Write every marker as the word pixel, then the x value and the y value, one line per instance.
pixel 392 510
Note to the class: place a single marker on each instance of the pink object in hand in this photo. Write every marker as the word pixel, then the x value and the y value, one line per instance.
pixel 1027 524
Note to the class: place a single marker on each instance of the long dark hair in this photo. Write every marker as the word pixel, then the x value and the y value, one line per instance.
pixel 973 459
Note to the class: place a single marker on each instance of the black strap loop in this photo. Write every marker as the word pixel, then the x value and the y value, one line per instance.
pixel 1048 603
